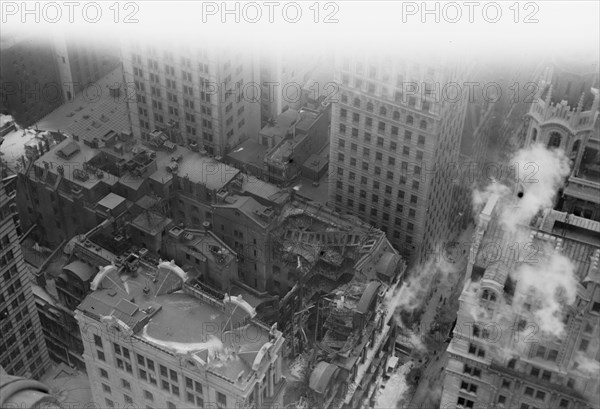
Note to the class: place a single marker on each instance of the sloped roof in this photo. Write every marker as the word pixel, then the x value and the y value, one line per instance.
pixel 82 270
pixel 387 264
pixel 367 297
pixel 321 376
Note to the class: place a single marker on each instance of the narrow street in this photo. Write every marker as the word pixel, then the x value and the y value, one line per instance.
pixel 441 308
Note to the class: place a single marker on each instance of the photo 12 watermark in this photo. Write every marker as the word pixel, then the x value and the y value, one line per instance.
pixel 60 12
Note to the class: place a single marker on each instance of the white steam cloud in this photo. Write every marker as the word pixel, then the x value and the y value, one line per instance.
pixel 541 172
pixel 546 285
pixel 550 284
pixel 538 173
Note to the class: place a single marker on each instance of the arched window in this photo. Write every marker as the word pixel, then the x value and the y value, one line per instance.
pixel 369 107
pixel 534 135
pixel 575 149
pixel 554 141
pixel 357 102
pixel 423 124
pixel 382 111
pixel 409 120
pixel 396 116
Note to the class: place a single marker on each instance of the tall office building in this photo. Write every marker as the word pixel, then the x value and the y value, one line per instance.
pixel 289 79
pixel 38 74
pixel 22 348
pixel 395 130
pixel 200 96
pixel 29 78
pixel 518 343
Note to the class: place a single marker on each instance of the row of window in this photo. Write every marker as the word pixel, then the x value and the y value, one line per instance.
pixel 169 378
pixel 393 147
pixel 410 121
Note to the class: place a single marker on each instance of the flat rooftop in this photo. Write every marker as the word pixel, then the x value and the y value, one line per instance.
pixel 219 334
pixel 73 163
pixel 281 124
pixel 509 249
pixel 94 112
pixel 197 167
pixel 249 152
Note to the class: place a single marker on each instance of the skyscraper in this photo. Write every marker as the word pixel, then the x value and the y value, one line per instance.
pixel 22 349
pixel 518 343
pixel 395 131
pixel 200 96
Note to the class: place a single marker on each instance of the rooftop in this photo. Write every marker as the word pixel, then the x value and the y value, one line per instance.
pixel 250 207
pixel 263 190
pixel 249 152
pixel 151 222
pixel 195 166
pixel 148 302
pixel 111 201
pixel 280 126
pixel 94 112
pixel 501 252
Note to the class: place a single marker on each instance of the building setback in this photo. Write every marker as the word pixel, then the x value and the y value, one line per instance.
pixel 22 349
pixel 394 134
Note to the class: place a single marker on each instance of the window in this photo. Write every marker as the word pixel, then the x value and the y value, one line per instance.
pixel 109 403
pixel 171 405
pixel 106 388
pixel 469 387
pixel 126 384
pixel 506 384
pixel 541 352
pixel 98 340
pixel 528 391
pixel 546 375
pixel 466 403
pixel 541 395
pixel 475 350
pixel 103 373
pixel 584 344
pixel 501 399
pixel 128 399
pixel 596 307
pixel 221 399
